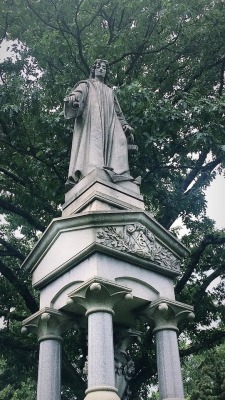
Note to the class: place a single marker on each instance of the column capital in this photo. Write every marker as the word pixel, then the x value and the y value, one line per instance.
pixel 48 323
pixel 168 314
pixel 98 294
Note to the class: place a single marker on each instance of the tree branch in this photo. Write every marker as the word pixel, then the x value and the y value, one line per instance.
pixel 79 43
pixel 47 22
pixel 9 207
pixel 29 185
pixel 21 288
pixel 10 174
pixel 199 74
pixel 70 374
pixel 217 338
pixel 32 152
pixel 204 174
pixel 71 52
pixel 12 249
pixel 137 52
pixel 195 257
pixel 206 282
pixel 222 70
pixel 172 214
pixel 17 345
pixel 3 34
pixel 194 172
pixel 12 316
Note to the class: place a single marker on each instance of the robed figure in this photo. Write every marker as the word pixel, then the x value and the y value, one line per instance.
pixel 100 130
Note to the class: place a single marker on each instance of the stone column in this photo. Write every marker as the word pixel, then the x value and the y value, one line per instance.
pixel 166 314
pixel 49 324
pixel 100 351
pixel 98 297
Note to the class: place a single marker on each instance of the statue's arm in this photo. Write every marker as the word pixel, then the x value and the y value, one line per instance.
pixel 74 102
pixel 119 112
pixel 126 127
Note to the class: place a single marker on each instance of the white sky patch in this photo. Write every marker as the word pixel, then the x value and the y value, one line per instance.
pixel 215 196
pixel 5 49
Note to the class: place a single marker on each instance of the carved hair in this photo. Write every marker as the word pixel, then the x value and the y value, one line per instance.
pixel 98 61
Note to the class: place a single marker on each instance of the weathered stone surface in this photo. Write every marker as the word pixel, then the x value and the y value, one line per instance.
pixel 165 315
pixel 138 240
pixel 97 192
pixel 124 365
pixel 146 285
pixel 68 241
pixel 168 365
pixel 49 370
pixel 49 324
pixel 99 296
pixel 100 131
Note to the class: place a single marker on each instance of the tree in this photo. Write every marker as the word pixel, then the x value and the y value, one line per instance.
pixel 205 375
pixel 167 65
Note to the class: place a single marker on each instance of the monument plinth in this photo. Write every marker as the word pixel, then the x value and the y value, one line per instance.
pixel 117 245
pixel 106 262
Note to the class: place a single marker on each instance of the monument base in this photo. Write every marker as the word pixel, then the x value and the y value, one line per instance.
pixel 97 192
pixel 101 393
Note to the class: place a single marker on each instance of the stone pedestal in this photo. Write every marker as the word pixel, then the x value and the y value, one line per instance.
pixel 96 192
pixel 86 264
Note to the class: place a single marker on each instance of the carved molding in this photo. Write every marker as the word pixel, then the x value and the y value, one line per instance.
pixel 98 294
pixel 49 323
pixel 136 239
pixel 166 314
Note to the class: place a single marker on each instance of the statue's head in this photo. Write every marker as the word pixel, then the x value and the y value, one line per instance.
pixel 100 63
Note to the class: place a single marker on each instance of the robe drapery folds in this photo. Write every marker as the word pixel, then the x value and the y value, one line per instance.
pixel 98 137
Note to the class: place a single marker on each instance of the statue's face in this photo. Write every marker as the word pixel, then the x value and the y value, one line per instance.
pixel 100 69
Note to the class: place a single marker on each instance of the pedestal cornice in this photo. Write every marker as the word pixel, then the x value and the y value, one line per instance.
pixel 133 236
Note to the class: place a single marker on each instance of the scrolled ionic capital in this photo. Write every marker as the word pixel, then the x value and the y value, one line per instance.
pixel 48 323
pixel 166 314
pixel 99 295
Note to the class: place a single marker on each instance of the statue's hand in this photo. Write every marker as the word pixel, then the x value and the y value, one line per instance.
pixel 74 99
pixel 127 129
pixel 128 132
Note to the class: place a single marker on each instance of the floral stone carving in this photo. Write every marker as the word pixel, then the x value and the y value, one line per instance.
pixel 136 239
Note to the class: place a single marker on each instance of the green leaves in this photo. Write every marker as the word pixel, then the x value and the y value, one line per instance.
pixel 205 375
pixel 167 66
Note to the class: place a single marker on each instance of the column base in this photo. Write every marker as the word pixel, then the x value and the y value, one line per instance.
pixel 173 398
pixel 101 393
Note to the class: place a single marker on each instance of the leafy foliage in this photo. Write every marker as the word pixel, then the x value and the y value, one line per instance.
pixel 205 375
pixel 167 65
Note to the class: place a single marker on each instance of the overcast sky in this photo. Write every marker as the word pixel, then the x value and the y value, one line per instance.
pixel 215 196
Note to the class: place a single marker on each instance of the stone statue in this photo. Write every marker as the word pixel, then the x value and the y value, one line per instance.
pixel 100 131
pixel 124 365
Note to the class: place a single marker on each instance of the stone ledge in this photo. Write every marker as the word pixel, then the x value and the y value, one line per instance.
pixel 97 186
pixel 101 220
